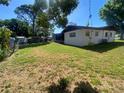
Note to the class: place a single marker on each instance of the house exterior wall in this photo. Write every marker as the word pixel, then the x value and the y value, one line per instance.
pixel 96 39
pixel 77 40
pixel 81 39
pixel 110 38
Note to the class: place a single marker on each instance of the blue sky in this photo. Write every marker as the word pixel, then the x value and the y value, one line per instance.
pixel 79 15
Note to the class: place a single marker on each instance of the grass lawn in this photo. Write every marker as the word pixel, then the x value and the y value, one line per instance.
pixel 34 68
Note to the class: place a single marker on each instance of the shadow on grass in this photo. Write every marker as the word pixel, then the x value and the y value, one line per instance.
pixel 101 47
pixel 33 45
pixel 62 87
pixel 84 87
pixel 104 47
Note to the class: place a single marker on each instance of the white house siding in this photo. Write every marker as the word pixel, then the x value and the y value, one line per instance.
pixel 109 38
pixel 77 41
pixel 82 40
pixel 97 39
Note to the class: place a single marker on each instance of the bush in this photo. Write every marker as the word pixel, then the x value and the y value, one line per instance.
pixel 2 56
pixel 5 34
pixel 4 42
pixel 37 40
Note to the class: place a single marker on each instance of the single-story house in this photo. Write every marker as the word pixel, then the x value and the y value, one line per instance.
pixel 83 36
pixel 19 40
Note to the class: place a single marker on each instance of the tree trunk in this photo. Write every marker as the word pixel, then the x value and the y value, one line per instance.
pixel 34 25
pixel 122 35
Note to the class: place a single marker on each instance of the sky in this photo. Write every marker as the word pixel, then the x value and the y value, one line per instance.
pixel 79 16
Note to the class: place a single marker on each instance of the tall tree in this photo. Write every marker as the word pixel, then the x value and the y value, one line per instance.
pixel 4 2
pixel 44 27
pixel 29 13
pixel 113 14
pixel 56 12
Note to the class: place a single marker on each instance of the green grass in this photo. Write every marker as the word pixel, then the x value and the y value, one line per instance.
pixel 47 62
pixel 110 62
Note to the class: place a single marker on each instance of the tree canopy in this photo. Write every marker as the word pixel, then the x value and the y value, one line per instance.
pixel 113 14
pixel 18 27
pixel 45 12
pixel 60 9
pixel 30 12
pixel 4 2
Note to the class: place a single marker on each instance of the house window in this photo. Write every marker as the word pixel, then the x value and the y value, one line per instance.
pixel 96 33
pixel 87 33
pixel 111 34
pixel 106 34
pixel 72 34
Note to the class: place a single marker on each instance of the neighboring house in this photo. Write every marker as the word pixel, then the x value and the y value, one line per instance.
pixel 82 36
pixel 21 40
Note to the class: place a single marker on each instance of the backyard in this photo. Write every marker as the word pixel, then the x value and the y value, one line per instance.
pixel 34 68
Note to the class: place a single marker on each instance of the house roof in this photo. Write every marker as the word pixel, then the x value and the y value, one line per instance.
pixel 72 28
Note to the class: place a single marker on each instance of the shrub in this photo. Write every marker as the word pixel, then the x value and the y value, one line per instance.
pixel 38 40
pixel 35 40
pixel 5 34
pixel 2 56
pixel 4 42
